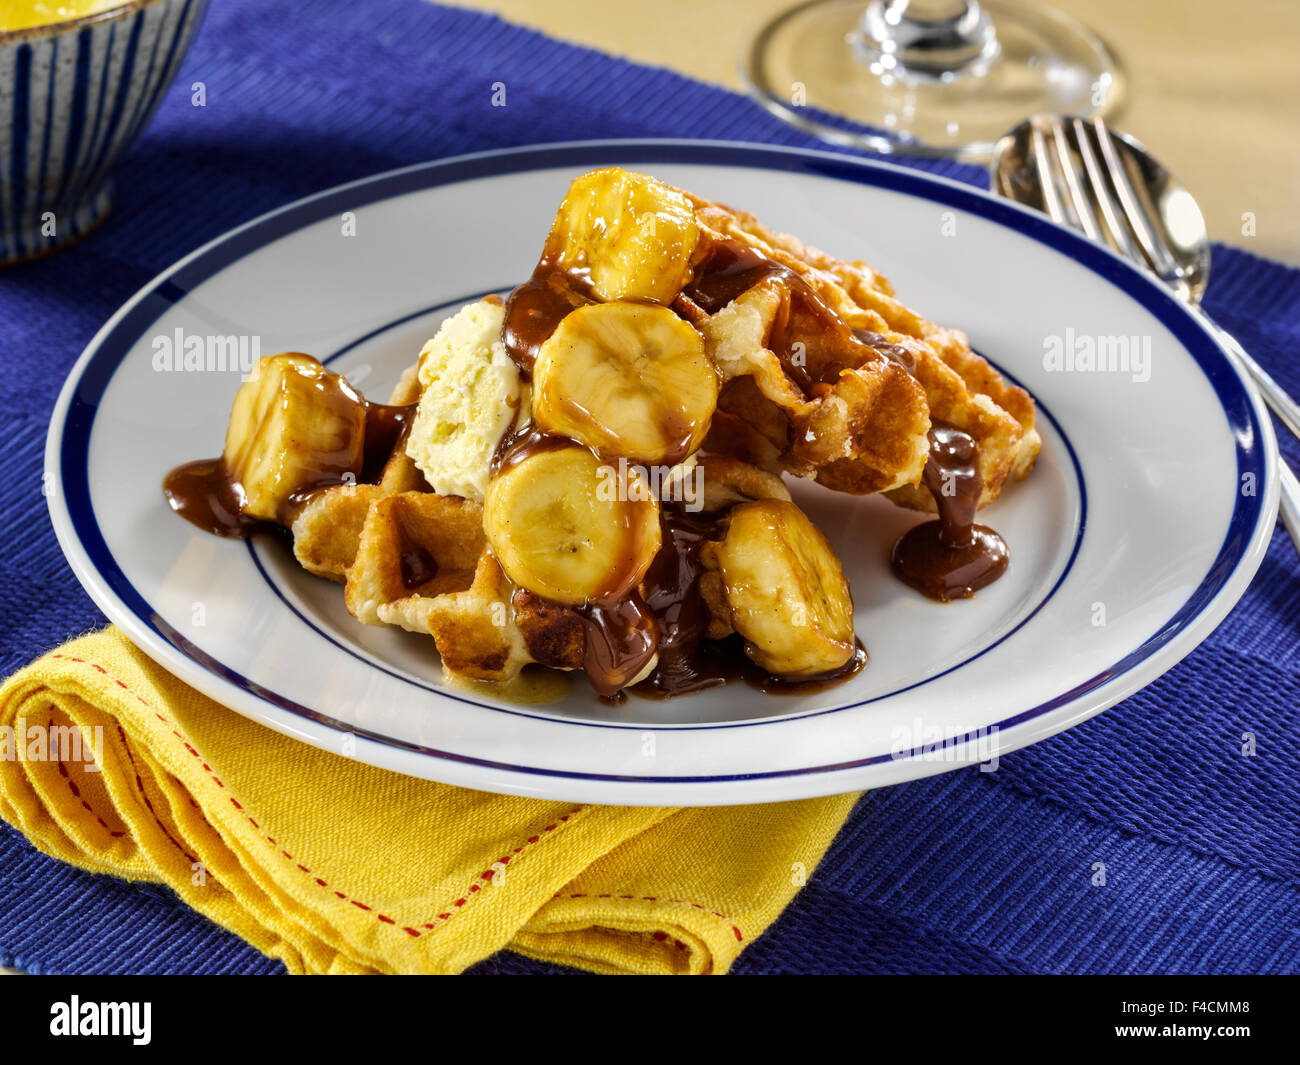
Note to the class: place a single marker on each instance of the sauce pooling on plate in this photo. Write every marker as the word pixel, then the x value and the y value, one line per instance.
pixel 951 557
pixel 206 493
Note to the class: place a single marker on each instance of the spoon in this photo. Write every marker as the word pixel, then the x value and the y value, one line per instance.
pixel 1108 186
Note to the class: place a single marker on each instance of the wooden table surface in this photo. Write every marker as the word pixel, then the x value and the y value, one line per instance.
pixel 1213 87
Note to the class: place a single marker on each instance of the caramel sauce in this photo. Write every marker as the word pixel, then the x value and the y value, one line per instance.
pixel 681 434
pixel 951 557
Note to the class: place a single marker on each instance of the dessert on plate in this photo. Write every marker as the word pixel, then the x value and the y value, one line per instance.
pixel 587 474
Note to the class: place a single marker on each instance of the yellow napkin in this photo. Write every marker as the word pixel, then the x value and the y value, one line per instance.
pixel 337 867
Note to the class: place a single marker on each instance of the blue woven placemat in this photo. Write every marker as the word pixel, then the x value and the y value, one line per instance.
pixel 960 873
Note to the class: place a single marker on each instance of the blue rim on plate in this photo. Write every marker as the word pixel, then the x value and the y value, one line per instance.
pixel 69 451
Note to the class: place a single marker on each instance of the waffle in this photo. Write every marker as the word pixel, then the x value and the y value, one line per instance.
pixel 860 426
pixel 618 430
pixel 483 626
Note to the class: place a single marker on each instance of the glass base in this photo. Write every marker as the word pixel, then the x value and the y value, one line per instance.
pixel 819 57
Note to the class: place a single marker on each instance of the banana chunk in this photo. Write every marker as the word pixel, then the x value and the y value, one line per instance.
pixel 634 235
pixel 569 528
pixel 629 380
pixel 786 591
pixel 293 425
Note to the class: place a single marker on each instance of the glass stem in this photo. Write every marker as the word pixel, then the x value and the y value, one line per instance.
pixel 927 39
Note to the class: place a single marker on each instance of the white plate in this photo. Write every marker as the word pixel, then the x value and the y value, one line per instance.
pixel 1147 516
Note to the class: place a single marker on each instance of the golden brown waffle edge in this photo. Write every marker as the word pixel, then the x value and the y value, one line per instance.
pixel 866 431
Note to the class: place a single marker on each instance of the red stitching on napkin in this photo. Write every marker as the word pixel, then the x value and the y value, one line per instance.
pixel 140 785
pixel 661 937
pixel 735 930
pixel 76 794
pixel 486 875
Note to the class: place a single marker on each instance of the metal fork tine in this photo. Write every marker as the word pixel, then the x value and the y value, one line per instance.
pixel 1153 246
pixel 1079 201
pixel 1119 232
pixel 1073 202
pixel 1046 179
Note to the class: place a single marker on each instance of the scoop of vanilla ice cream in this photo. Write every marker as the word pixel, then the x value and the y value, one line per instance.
pixel 470 393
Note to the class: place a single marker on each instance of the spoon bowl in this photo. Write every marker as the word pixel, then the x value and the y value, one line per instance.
pixel 1043 154
pixel 1108 186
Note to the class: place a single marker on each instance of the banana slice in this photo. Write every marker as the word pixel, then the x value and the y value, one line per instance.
pixel 634 235
pixel 293 425
pixel 786 590
pixel 629 380
pixel 570 528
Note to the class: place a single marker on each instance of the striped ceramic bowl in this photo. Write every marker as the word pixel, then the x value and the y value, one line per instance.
pixel 73 96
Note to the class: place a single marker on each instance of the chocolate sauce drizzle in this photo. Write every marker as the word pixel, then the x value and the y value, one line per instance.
pixel 521 444
pixel 536 308
pixel 946 559
pixel 621 639
pixel 671 618
pixel 814 345
pixel 688 662
pixel 951 557
pixel 387 425
pixel 207 494
pixel 204 494
pixel 812 342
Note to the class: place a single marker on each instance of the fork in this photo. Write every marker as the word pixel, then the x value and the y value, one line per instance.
pixel 1089 189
